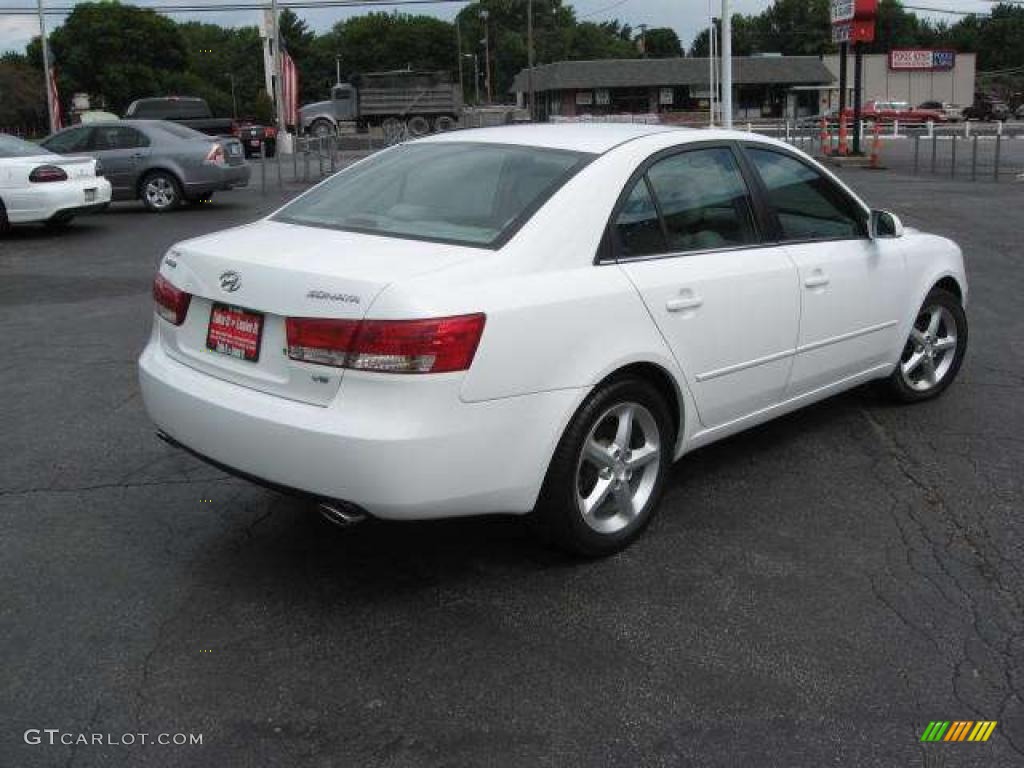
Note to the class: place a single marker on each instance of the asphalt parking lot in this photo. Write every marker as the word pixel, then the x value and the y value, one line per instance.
pixel 814 591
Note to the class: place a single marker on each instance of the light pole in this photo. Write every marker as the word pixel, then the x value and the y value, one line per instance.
pixel 529 56
pixel 234 101
pixel 50 100
pixel 476 74
pixel 337 68
pixel 487 55
pixel 726 65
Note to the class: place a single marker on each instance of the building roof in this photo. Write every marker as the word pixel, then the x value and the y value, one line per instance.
pixel 625 73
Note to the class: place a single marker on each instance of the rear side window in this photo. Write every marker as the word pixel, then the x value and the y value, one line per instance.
pixel 108 137
pixel 695 200
pixel 74 140
pixel 465 193
pixel 808 205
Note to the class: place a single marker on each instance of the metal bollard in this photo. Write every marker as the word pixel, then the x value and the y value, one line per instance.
pixel 320 156
pixel 277 161
pixel 332 143
pixel 305 162
pixel 263 167
pixel 295 158
pixel 917 151
pixel 952 157
pixel 895 129
pixel 935 149
pixel 974 159
pixel 995 165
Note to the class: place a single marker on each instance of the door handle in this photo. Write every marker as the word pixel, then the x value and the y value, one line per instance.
pixel 816 279
pixel 683 303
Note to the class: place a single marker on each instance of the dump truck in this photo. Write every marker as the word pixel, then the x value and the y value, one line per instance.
pixel 420 102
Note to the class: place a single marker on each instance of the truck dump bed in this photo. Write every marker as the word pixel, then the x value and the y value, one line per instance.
pixel 412 93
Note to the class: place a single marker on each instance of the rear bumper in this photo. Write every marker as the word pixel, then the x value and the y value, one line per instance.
pixel 43 202
pixel 215 179
pixel 397 447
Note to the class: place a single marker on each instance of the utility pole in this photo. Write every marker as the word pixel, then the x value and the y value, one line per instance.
pixel 487 55
pixel 529 57
pixel 234 101
pixel 726 65
pixel 458 48
pixel 712 81
pixel 476 74
pixel 50 96
pixel 278 89
pixel 643 40
pixel 337 68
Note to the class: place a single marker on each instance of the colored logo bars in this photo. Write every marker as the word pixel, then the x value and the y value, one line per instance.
pixel 958 730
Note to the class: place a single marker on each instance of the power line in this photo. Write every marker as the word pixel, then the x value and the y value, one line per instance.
pixel 8 10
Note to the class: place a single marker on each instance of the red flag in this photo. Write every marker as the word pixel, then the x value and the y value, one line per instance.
pixel 289 88
pixel 58 116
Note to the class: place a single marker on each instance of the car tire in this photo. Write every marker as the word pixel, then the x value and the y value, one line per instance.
pixel 595 507
pixel 321 128
pixel 160 192
pixel 5 223
pixel 933 352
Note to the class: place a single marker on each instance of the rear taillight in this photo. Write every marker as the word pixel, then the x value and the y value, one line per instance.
pixel 438 345
pixel 216 155
pixel 45 173
pixel 171 303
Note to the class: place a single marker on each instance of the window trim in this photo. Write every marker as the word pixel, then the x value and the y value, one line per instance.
pixel 774 227
pixel 609 251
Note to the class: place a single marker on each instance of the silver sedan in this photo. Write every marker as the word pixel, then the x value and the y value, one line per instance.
pixel 158 162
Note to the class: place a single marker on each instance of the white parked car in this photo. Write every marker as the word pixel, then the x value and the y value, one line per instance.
pixel 39 186
pixel 539 319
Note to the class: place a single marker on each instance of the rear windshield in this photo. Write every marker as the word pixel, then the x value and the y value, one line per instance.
pixel 11 146
pixel 181 131
pixel 464 193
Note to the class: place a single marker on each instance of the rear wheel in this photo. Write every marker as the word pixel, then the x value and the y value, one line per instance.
pixel 5 224
pixel 445 123
pixel 321 128
pixel 608 471
pixel 418 125
pixel 161 192
pixel 934 350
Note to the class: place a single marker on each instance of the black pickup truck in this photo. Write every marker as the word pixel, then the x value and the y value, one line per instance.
pixel 195 113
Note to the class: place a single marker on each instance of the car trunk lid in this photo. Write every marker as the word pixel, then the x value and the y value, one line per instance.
pixel 258 275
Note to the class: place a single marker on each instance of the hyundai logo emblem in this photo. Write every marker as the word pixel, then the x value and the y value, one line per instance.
pixel 230 281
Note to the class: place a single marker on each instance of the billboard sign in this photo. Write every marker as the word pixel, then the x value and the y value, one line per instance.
pixel 856 31
pixel 921 59
pixel 841 11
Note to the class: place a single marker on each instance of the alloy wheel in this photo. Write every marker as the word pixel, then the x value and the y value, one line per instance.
pixel 160 193
pixel 618 467
pixel 930 350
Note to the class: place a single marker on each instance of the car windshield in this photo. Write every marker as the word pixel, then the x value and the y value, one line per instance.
pixel 475 194
pixel 12 146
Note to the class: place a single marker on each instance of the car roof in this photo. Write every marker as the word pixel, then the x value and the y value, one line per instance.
pixel 595 138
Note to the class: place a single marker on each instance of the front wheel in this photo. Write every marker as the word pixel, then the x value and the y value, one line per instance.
pixel 608 471
pixel 934 350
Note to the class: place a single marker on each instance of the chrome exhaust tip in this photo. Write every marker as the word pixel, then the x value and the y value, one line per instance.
pixel 341 514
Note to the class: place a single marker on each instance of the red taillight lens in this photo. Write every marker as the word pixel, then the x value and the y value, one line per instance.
pixel 46 173
pixel 314 340
pixel 438 345
pixel 171 303
pixel 216 155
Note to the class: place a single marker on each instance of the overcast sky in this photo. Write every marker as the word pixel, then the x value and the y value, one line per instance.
pixel 686 17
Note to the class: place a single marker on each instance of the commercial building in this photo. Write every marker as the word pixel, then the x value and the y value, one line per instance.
pixel 767 86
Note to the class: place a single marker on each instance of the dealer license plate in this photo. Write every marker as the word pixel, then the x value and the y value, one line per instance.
pixel 235 332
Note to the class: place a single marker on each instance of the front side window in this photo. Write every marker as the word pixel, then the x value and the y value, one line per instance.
pixel 808 205
pixel 700 202
pixel 474 194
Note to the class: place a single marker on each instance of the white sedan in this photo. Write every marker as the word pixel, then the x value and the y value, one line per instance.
pixel 39 186
pixel 539 319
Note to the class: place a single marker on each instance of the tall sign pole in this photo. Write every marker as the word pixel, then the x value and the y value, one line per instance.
pixel 726 65
pixel 50 96
pixel 278 89
pixel 529 57
pixel 853 21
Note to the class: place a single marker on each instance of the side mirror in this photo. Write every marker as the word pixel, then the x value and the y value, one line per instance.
pixel 885 225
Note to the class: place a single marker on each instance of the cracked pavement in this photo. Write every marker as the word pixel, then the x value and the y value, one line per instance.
pixel 813 592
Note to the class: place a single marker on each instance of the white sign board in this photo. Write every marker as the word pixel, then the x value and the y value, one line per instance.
pixel 842 10
pixel 666 96
pixel 584 97
pixel 603 97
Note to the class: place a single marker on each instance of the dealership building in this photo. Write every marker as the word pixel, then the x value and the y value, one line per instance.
pixel 767 86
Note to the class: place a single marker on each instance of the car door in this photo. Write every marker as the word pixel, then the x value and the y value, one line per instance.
pixel 687 235
pixel 121 150
pixel 850 285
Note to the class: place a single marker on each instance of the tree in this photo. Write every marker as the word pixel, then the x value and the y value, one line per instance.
pixel 120 52
pixel 22 103
pixel 662 43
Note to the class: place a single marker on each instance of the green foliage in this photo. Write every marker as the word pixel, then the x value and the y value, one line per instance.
pixel 22 100
pixel 662 43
